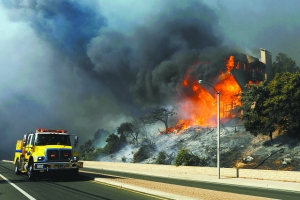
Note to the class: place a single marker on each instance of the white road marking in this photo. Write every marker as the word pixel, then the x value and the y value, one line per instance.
pixel 15 186
pixel 8 161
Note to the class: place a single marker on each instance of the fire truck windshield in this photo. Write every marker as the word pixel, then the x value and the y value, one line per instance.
pixel 52 139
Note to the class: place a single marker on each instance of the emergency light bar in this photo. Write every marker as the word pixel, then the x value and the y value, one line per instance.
pixel 41 130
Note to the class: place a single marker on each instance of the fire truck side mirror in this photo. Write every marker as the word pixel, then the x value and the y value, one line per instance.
pixel 76 141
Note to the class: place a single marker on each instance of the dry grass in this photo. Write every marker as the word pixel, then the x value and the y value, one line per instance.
pixel 276 162
pixel 287 168
pixel 240 164
pixel 258 149
pixel 263 167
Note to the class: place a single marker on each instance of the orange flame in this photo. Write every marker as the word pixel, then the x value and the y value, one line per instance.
pixel 230 63
pixel 200 107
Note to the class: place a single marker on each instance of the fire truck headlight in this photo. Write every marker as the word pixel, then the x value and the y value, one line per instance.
pixel 75 158
pixel 38 158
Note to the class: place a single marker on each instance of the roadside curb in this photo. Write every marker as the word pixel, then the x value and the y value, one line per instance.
pixel 142 189
pixel 254 183
pixel 136 188
pixel 169 191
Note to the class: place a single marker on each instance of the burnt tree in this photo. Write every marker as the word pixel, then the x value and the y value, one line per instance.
pixel 159 114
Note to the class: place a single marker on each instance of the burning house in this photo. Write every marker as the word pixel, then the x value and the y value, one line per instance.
pixel 198 107
pixel 250 70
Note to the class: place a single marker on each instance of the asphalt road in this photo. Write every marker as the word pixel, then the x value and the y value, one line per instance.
pixel 14 186
pixel 269 193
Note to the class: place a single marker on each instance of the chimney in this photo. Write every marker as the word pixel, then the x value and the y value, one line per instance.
pixel 266 58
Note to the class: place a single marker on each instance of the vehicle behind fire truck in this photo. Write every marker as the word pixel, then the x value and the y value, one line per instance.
pixel 46 151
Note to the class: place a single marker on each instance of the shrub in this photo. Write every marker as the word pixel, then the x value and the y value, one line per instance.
pixel 97 153
pixel 142 154
pixel 185 157
pixel 87 151
pixel 161 158
pixel 113 144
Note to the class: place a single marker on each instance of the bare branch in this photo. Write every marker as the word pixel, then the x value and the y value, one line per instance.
pixel 159 114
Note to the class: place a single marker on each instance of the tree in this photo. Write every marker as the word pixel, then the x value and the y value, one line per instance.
pixel 133 130
pixel 123 130
pixel 284 63
pixel 256 119
pixel 273 106
pixel 283 105
pixel 86 151
pixel 159 114
pixel 138 130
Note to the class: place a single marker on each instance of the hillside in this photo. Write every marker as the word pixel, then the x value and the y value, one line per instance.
pixel 235 143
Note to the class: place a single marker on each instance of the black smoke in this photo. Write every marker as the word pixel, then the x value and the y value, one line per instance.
pixel 153 60
pixel 101 77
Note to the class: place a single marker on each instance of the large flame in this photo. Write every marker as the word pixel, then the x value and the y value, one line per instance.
pixel 199 108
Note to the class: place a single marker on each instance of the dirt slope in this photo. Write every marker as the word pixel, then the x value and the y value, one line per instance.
pixel 235 142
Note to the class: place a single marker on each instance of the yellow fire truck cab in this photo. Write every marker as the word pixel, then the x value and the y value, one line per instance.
pixel 44 151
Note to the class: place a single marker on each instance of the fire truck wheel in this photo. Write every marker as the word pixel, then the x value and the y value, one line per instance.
pixel 17 170
pixel 30 172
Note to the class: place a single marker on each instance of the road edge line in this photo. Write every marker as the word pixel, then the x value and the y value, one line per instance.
pixel 20 190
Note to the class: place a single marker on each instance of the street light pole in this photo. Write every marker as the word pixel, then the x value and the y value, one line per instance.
pixel 218 125
pixel 218 140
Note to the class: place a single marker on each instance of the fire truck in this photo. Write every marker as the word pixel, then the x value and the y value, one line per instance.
pixel 46 151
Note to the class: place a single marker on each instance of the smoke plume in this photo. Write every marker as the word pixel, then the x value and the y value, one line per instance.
pixel 71 70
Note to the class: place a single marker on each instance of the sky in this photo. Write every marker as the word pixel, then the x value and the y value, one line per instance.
pixel 90 65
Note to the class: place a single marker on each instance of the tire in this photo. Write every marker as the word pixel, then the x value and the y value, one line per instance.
pixel 30 172
pixel 17 165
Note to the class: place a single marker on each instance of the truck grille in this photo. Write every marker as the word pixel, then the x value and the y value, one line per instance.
pixel 59 154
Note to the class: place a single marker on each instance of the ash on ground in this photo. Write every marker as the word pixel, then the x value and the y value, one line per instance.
pixel 238 148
